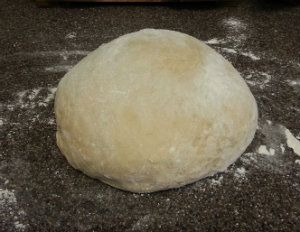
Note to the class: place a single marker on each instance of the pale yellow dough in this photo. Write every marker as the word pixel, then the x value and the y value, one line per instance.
pixel 153 110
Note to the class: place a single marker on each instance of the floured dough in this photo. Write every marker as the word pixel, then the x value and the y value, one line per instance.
pixel 153 110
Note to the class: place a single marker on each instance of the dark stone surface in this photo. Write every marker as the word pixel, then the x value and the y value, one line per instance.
pixel 39 191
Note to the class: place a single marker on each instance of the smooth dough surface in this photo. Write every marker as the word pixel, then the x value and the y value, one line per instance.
pixel 153 110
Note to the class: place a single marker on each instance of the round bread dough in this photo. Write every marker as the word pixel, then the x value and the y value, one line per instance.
pixel 153 110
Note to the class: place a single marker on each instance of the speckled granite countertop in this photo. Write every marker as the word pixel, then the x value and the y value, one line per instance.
pixel 39 191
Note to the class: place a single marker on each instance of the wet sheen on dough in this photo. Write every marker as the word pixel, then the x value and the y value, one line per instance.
pixel 153 110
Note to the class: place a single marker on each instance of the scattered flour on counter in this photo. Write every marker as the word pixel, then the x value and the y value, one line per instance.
pixel 229 50
pixel 269 122
pixel 65 54
pixel 26 97
pixel 238 52
pixel 295 82
pixel 258 78
pixel 49 97
pixel 51 121
pixel 240 173
pixel 266 80
pixel 58 68
pixel 59 53
pixel 29 99
pixel 292 142
pixel 238 40
pixel 235 31
pixel 21 96
pixel 248 158
pixel 19 226
pixel 264 151
pixel 215 41
pixel 217 182
pixel 236 37
pixel 9 207
pixel 71 35
pixel 27 104
pixel 282 148
pixel 142 223
pixel 296 86
pixel 7 197
pixel 34 93
pixel 234 23
pixel 250 55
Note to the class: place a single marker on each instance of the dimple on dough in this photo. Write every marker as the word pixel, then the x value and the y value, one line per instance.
pixel 153 110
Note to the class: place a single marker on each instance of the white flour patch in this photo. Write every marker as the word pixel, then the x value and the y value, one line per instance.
pixel 31 98
pixel 296 86
pixel 19 226
pixel 236 37
pixel 257 78
pixel 51 121
pixel 217 182
pixel 215 41
pixel 7 197
pixel 30 102
pixel 49 97
pixel 297 161
pixel 26 97
pixel 235 31
pixel 21 96
pixel 295 82
pixel 234 24
pixel 292 142
pixel 240 173
pixel 229 50
pixel 58 68
pixel 282 148
pixel 9 207
pixel 271 155
pixel 34 92
pixel 239 52
pixel 263 150
pixel 71 35
pixel 268 163
pixel 249 158
pixel 250 55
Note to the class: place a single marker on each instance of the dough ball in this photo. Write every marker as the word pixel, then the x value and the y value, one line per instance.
pixel 153 110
